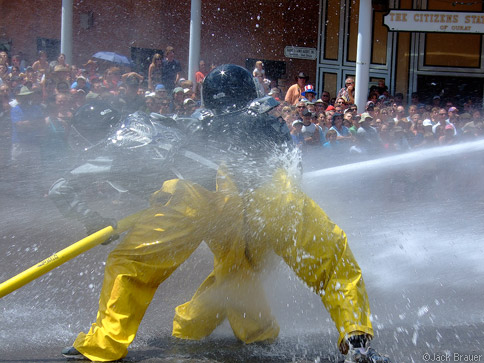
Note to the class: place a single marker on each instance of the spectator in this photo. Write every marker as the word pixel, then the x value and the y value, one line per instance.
pixel 399 114
pixel 27 127
pixel 414 99
pixel 301 107
pixel 348 118
pixel 448 137
pixel 54 148
pixel 171 70
pixel 160 91
pixel 111 79
pixel 475 126
pixel 178 98
pixel 155 71
pixel 199 77
pixel 260 75
pixel 275 93
pixel 296 133
pixel 320 106
pixel 309 93
pixel 343 134
pixel 189 107
pixel 61 60
pixel 332 144
pixel 324 126
pixel 41 65
pixel 309 130
pixel 293 94
pixel 16 61
pixel 80 83
pixel 412 110
pixel 439 128
pixel 348 92
pixel 400 141
pixel 152 103
pixel 165 106
pixel 130 101
pixel 5 125
pixel 92 70
pixel 367 136
pixel 398 99
pixel 4 58
pixel 3 74
pixel 78 98
pixel 436 101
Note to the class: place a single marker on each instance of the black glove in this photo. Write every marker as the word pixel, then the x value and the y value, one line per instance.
pixel 96 222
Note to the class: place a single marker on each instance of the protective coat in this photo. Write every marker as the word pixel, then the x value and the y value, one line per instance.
pixel 241 229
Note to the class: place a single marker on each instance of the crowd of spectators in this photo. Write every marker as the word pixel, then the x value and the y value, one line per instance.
pixel 39 101
pixel 387 125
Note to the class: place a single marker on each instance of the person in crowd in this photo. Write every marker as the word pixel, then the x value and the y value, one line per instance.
pixel 5 125
pixel 27 129
pixel 326 97
pixel 4 59
pixel 55 151
pixel 475 125
pixel 399 114
pixel 367 136
pixel 189 107
pixel 275 93
pixel 17 62
pixel 152 103
pixel 165 105
pixel 331 143
pixel 320 106
pixel 260 75
pixel 111 79
pixel 41 65
pixel 81 83
pixel 297 135
pixel 348 91
pixel 178 96
pixel 130 101
pixel 324 126
pixel 155 71
pixel 343 134
pixel 170 70
pixel 448 137
pixel 61 60
pixel 200 76
pixel 414 99
pixel 439 128
pixel 92 69
pixel 309 94
pixel 293 94
pixel 3 74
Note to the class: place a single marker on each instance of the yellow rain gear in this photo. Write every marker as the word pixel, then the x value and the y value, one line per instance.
pixel 241 230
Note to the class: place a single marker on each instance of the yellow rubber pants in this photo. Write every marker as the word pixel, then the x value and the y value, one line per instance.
pixel 240 230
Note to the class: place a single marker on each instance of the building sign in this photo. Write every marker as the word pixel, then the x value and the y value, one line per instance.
pixel 300 52
pixel 434 21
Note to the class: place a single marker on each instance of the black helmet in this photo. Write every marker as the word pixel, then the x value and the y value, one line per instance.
pixel 228 88
pixel 94 120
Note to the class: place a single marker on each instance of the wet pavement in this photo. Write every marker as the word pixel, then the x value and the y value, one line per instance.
pixel 419 242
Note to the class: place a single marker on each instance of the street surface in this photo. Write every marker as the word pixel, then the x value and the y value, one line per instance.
pixel 419 242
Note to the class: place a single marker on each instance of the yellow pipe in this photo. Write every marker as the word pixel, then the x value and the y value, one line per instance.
pixel 65 255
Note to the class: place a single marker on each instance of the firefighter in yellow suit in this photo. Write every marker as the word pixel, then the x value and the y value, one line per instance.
pixel 240 231
pixel 242 223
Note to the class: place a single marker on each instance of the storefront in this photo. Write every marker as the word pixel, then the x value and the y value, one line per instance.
pixel 408 61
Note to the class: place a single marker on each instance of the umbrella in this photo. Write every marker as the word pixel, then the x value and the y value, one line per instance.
pixel 113 57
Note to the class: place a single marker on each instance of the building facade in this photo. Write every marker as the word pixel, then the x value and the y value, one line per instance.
pixel 245 31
